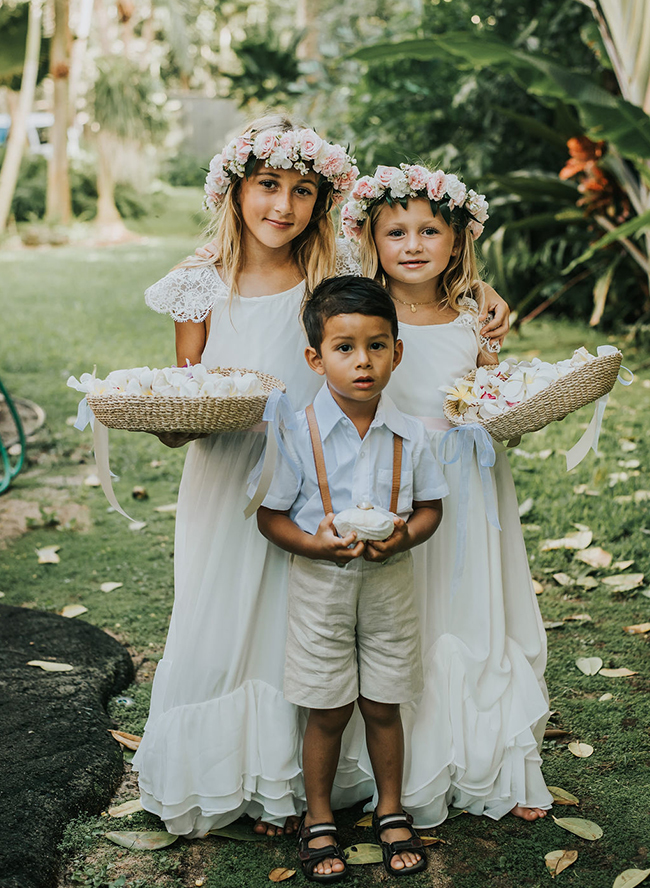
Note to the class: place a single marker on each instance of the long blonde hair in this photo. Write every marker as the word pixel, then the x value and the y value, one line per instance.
pixel 459 279
pixel 314 249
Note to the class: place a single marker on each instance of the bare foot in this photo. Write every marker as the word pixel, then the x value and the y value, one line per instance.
pixel 262 828
pixel 528 813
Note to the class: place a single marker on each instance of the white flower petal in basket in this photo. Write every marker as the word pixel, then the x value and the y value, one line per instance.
pixel 367 522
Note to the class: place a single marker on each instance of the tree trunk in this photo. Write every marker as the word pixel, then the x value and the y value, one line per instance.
pixel 307 21
pixel 58 203
pixel 108 218
pixel 18 132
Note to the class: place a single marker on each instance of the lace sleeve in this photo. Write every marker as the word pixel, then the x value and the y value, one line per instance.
pixel 346 260
pixel 472 310
pixel 187 294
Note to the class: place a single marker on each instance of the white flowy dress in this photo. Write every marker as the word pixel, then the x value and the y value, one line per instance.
pixel 472 738
pixel 221 740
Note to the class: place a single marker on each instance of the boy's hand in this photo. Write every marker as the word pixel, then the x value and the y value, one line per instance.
pixel 177 439
pixel 398 541
pixel 330 547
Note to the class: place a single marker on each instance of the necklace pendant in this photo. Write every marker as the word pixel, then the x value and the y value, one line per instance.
pixel 413 308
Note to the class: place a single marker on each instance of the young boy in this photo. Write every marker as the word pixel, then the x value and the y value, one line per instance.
pixel 353 633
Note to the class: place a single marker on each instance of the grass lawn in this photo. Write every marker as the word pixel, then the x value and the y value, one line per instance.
pixel 68 308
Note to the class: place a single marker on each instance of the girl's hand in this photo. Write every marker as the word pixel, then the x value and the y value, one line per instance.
pixel 398 541
pixel 498 327
pixel 177 439
pixel 330 547
pixel 207 251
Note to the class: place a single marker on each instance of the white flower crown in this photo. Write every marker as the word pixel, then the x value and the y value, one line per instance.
pixel 445 192
pixel 300 148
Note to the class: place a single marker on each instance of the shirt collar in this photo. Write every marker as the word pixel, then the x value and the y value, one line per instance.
pixel 329 414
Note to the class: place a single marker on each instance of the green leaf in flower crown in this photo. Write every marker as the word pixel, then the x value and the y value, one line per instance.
pixel 250 165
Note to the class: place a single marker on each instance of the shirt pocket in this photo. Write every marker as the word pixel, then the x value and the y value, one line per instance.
pixel 385 486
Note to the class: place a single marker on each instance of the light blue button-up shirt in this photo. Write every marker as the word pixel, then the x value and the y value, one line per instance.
pixel 358 469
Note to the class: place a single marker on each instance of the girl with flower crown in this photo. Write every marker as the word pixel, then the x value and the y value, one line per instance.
pixel 473 738
pixel 221 740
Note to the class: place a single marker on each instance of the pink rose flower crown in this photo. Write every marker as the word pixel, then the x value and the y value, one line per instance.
pixel 300 148
pixel 458 206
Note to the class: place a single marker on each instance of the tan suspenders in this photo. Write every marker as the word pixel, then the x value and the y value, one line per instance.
pixel 321 472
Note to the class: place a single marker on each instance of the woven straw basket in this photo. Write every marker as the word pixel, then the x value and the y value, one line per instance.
pixel 571 392
pixel 160 413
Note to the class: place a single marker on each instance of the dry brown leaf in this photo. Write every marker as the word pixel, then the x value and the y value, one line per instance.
pixel 579 539
pixel 554 733
pixel 621 672
pixel 594 556
pixel 562 797
pixel 563 579
pixel 587 582
pixel 47 555
pixel 630 878
pixel 589 665
pixel 581 750
pixel 73 610
pixel 365 821
pixel 131 741
pixel 637 629
pixel 537 587
pixel 281 874
pixel 50 666
pixel 623 582
pixel 125 808
pixel 557 861
pixel 110 587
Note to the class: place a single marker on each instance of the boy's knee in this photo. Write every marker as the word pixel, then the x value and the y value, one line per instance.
pixel 332 721
pixel 380 714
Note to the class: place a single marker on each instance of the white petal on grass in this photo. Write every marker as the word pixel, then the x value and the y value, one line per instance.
pixel 622 565
pixel 589 665
pixel 628 463
pixel 594 556
pixel 526 506
pixel 626 445
pixel 581 750
pixel 605 698
pixel 137 525
pixel 621 672
pixel 48 555
pixel 623 582
pixel 92 481
pixel 73 610
pixel 170 507
pixel 563 579
pixel 50 666
pixel 579 539
pixel 110 587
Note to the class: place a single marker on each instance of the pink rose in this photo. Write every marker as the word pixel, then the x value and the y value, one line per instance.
pixel 288 144
pixel 345 182
pixel 384 174
pixel 475 229
pixel 456 190
pixel 436 185
pixel 242 149
pixel 310 143
pixel 264 145
pixel 331 162
pixel 349 222
pixel 417 177
pixel 366 189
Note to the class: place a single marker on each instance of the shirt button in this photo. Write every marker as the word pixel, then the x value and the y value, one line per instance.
pixel 362 454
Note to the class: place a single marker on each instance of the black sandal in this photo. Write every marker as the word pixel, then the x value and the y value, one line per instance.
pixel 390 849
pixel 311 857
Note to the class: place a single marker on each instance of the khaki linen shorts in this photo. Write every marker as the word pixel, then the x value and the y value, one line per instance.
pixel 352 630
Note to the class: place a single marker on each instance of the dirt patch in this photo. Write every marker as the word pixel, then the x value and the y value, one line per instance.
pixel 40 508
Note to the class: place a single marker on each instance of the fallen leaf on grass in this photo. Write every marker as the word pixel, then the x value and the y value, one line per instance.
pixel 48 555
pixel 580 618
pixel 587 582
pixel 358 855
pixel 621 672
pixel 141 841
pixel 49 666
pixel 240 832
pixel 563 579
pixel 622 565
pixel 526 506
pixel 455 812
pixel 623 582
pixel 637 629
pixel 562 797
pixel 125 808
pixel 630 878
pixel 556 861
pixel 550 625
pixel 626 445
pixel 589 665
pixel 554 733
pixel 538 588
pixel 170 507
pixel 73 610
pixel 595 557
pixel 137 525
pixel 579 539
pixel 131 741
pixel 586 829
pixel 581 750
pixel 432 840
pixel 281 874
pixel 365 821
pixel 628 463
pixel 605 697
pixel 92 481
pixel 110 587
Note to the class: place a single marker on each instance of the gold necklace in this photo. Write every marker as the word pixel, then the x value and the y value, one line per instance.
pixel 414 304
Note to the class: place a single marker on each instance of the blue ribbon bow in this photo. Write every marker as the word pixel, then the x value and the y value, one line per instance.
pixel 470 436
